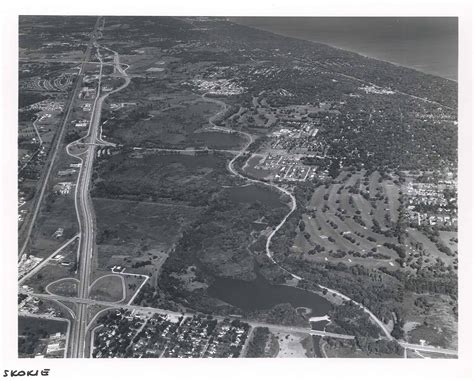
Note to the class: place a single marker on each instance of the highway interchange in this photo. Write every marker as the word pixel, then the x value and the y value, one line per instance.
pixel 84 149
pixel 84 208
pixel 27 227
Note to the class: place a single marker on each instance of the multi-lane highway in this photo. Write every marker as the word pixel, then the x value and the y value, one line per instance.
pixel 86 228
pixel 84 209
pixel 85 150
pixel 27 227
pixel 281 328
pixel 45 261
pixel 268 250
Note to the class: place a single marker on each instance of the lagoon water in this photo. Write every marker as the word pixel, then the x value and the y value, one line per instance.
pixel 255 193
pixel 427 44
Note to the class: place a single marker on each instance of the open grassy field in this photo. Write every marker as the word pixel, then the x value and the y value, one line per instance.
pixel 138 235
pixel 110 288
pixel 58 212
pixel 52 272
pixel 430 334
pixel 63 287
pixel 430 318
pixel 450 239
pixel 55 269
pixel 291 345
pixel 50 306
pixel 392 192
pixel 149 58
pixel 250 165
pixel 216 140
pixel 430 253
pixel 50 326
pixel 173 120
pixel 152 177
pixel 33 332
pixel 132 283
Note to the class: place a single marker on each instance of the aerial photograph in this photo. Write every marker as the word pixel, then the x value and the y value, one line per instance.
pixel 237 187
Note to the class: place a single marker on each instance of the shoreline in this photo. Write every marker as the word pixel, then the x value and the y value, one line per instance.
pixel 365 55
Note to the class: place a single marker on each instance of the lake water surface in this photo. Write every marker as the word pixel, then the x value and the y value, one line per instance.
pixel 251 193
pixel 427 44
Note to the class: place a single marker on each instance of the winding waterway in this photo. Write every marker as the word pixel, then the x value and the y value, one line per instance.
pixel 227 288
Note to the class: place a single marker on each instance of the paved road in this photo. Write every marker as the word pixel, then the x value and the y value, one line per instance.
pixel 428 348
pixel 374 318
pixel 30 224
pixel 192 150
pixel 232 170
pixel 269 253
pixel 331 70
pixel 244 350
pixel 45 261
pixel 86 218
pixel 253 323
pixel 290 329
pixel 85 210
pixel 86 227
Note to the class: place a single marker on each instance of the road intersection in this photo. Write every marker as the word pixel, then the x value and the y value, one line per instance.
pixel 45 179
pixel 83 203
pixel 86 219
pixel 253 323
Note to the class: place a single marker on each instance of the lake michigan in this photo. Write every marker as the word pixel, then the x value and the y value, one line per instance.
pixel 427 44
